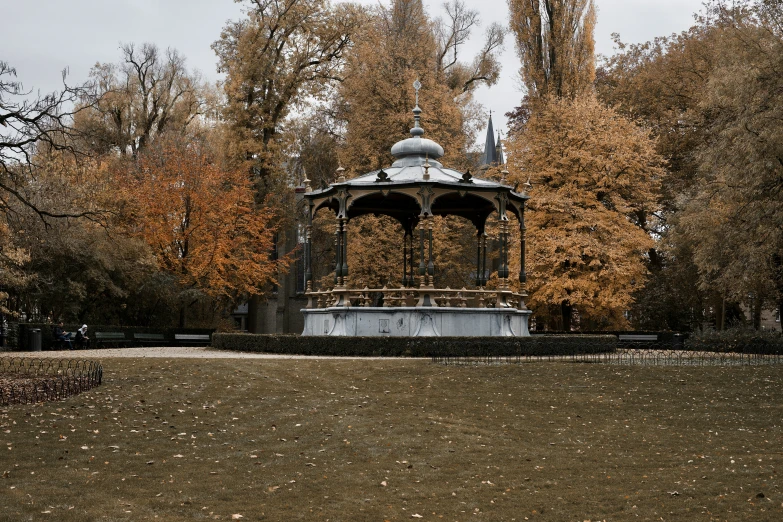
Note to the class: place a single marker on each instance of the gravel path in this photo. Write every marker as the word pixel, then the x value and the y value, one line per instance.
pixel 170 352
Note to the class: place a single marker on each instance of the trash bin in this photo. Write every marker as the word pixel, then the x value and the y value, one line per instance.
pixel 34 339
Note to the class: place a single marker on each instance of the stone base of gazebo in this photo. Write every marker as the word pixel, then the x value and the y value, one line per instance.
pixel 416 321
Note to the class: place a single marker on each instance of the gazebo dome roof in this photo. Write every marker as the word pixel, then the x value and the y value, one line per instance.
pixel 418 184
pixel 416 150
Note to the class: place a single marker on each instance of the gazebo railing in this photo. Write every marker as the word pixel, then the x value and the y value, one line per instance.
pixel 416 297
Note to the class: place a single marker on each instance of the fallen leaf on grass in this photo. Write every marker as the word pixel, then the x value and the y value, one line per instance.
pixel 236 516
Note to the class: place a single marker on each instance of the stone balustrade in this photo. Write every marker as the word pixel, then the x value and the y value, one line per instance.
pixel 416 297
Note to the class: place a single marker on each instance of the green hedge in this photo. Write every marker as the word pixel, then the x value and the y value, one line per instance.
pixel 415 346
pixel 737 341
pixel 47 339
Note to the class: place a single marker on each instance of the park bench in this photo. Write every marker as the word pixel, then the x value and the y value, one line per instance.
pixel 188 339
pixel 62 344
pixel 151 339
pixel 111 338
pixel 638 337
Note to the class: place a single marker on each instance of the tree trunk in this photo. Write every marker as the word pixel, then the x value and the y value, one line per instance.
pixel 757 315
pixel 182 315
pixel 566 311
pixel 252 314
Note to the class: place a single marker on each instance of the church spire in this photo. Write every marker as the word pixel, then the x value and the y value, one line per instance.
pixel 499 151
pixel 490 151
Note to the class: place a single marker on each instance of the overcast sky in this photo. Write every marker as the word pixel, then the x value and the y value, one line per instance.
pixel 41 38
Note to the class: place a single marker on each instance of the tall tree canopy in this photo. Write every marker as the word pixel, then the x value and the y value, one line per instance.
pixel 200 220
pixel 594 175
pixel 398 45
pixel 735 219
pixel 149 92
pixel 282 53
pixel 709 96
pixel 556 45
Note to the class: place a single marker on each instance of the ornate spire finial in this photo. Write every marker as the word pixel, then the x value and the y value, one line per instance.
pixel 306 182
pixel 417 131
pixel 340 174
pixel 426 167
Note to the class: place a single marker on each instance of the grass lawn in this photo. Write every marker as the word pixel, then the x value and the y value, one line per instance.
pixel 354 440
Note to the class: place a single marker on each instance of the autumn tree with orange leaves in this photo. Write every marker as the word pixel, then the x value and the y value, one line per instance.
pixel 201 222
pixel 594 176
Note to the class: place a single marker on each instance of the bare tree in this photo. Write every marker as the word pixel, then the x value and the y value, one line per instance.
pixel 147 93
pixel 30 127
pixel 452 33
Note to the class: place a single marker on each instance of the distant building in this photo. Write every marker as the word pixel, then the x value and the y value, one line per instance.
pixel 493 150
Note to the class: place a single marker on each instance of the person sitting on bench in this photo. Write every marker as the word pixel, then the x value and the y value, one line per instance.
pixel 82 341
pixel 61 335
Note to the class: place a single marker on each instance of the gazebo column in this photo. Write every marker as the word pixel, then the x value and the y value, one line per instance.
pixel 338 250
pixel 344 268
pixel 426 265
pixel 484 271
pixel 503 266
pixel 522 273
pixel 522 238
pixel 308 255
pixel 422 265
pixel 481 258
pixel 408 258
pixel 340 291
pixel 503 288
pixel 430 264
pixel 478 259
pixel 405 259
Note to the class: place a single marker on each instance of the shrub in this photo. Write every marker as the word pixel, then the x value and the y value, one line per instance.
pixel 415 346
pixel 737 341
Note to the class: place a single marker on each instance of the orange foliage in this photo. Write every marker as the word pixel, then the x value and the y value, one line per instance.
pixel 201 221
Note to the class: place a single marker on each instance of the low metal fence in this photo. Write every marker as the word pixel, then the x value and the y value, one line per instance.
pixel 29 380
pixel 653 354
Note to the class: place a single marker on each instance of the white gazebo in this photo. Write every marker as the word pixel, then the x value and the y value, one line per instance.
pixel 414 189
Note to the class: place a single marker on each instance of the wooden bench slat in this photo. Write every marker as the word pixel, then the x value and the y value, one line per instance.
pixel 150 338
pixel 637 337
pixel 193 338
pixel 110 338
